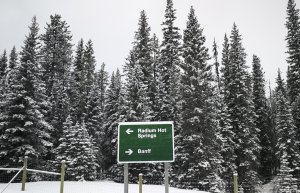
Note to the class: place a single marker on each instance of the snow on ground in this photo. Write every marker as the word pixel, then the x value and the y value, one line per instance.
pixel 267 188
pixel 88 187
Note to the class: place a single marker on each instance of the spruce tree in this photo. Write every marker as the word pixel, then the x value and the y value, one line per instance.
pixel 285 181
pixel 89 66
pixel 3 70
pixel 262 120
pixel 142 44
pixel 238 99
pixel 78 90
pixel 102 79
pixel 155 54
pixel 138 74
pixel 77 150
pixel 293 46
pixel 56 62
pixel 198 110
pixel 3 64
pixel 13 58
pixel 169 73
pixel 216 63
pixel 25 131
pixel 112 115
pixel 293 59
pixel 225 132
pixel 285 129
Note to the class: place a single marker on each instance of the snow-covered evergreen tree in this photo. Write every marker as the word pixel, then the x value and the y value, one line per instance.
pixel 225 132
pixel 285 128
pixel 78 90
pixel 238 99
pixel 216 64
pixel 262 120
pixel 200 147
pixel 3 70
pixel 138 75
pixel 13 59
pixel 293 46
pixel 3 64
pixel 89 62
pixel 293 59
pixel 77 150
pixel 169 73
pixel 56 62
pixel 113 115
pixel 25 131
pixel 95 116
pixel 285 181
pixel 142 43
pixel 155 54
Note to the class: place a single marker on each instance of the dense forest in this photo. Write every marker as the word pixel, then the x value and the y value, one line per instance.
pixel 55 106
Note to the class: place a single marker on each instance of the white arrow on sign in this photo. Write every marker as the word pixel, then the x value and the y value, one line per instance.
pixel 129 152
pixel 129 131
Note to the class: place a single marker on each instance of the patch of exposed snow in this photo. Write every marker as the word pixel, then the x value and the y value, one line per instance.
pixel 88 187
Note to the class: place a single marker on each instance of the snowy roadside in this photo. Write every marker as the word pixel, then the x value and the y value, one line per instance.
pixel 89 187
pixel 267 188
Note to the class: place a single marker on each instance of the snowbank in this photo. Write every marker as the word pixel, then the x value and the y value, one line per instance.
pixel 88 187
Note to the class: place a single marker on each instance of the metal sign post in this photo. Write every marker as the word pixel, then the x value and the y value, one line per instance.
pixel 167 177
pixel 126 178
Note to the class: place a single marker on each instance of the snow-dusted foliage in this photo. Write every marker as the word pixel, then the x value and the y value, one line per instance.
pixel 199 155
pixel 56 107
pixel 240 108
pixel 24 130
pixel 285 128
pixel 76 148
pixel 56 61
pixel 263 122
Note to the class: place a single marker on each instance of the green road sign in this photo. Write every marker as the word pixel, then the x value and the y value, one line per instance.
pixel 141 142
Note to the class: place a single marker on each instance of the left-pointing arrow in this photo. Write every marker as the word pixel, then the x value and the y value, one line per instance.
pixel 129 151
pixel 129 131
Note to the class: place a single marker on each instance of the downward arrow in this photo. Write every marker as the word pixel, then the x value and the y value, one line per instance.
pixel 129 152
pixel 129 131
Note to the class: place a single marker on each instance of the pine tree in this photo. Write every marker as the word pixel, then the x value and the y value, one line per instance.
pixel 225 132
pixel 25 131
pixel 237 86
pixel 169 73
pixel 285 181
pixel 139 74
pixel 262 120
pixel 95 111
pixel 89 66
pixel 285 128
pixel 78 90
pixel 102 79
pixel 142 44
pixel 13 58
pixel 56 62
pixel 293 60
pixel 198 110
pixel 112 115
pixel 3 64
pixel 3 70
pixel 216 63
pixel 293 45
pixel 77 150
pixel 155 54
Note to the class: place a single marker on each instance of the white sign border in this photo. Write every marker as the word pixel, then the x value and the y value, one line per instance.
pixel 146 123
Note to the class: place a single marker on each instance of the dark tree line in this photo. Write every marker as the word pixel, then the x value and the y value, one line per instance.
pixel 55 106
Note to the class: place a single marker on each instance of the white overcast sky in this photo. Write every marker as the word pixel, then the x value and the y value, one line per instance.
pixel 111 24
